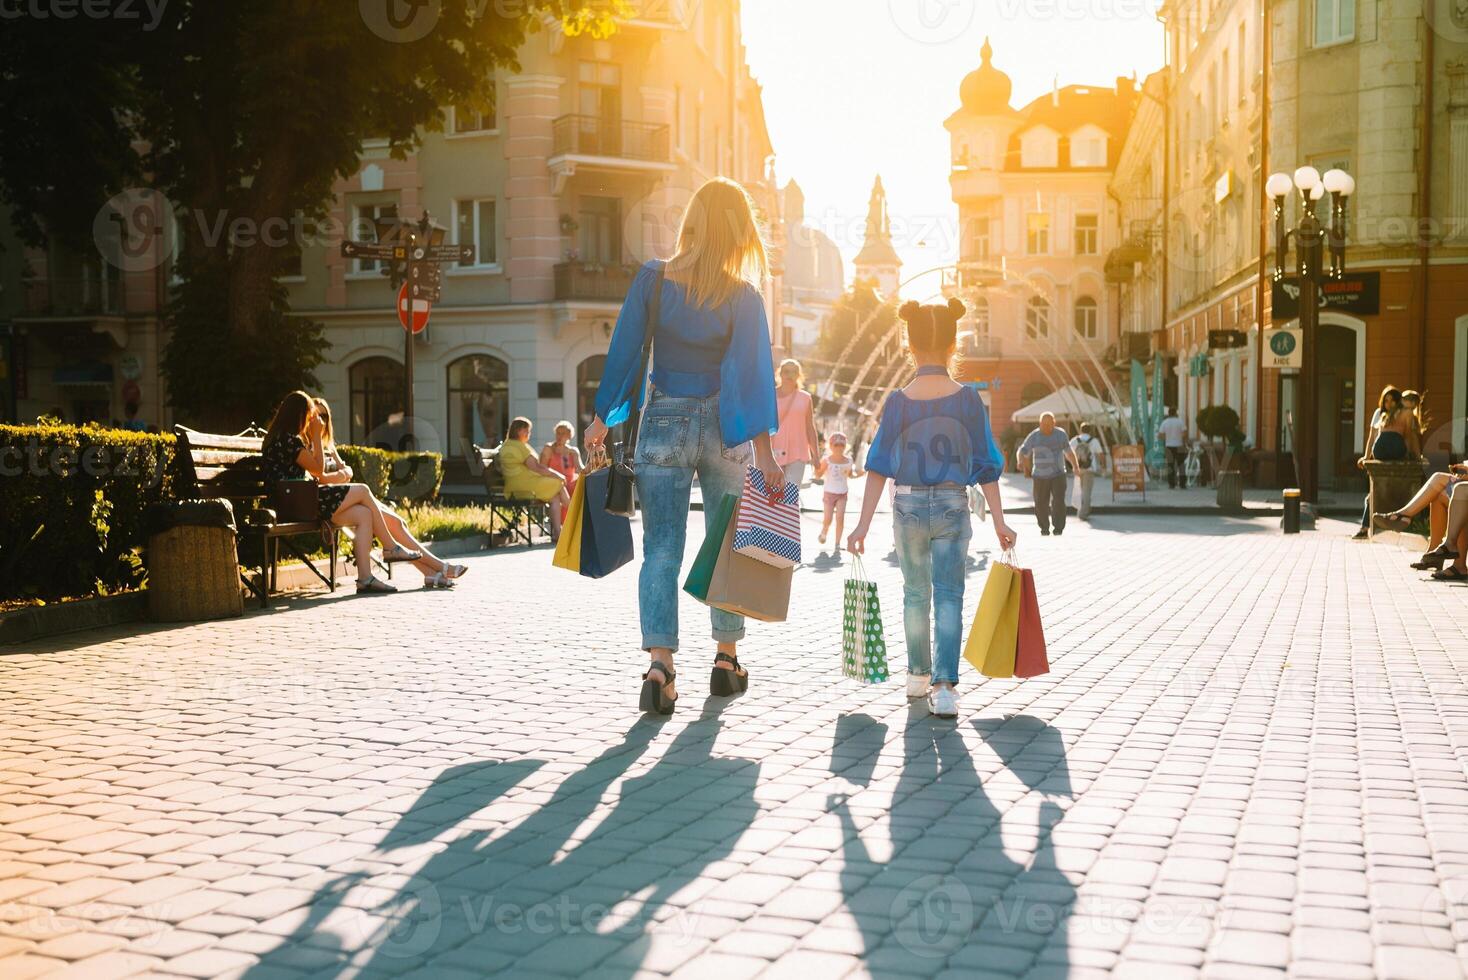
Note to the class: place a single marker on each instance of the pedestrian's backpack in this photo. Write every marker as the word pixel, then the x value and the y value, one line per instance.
pixel 1083 453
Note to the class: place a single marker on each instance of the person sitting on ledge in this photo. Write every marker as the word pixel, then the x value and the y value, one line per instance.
pixel 1433 496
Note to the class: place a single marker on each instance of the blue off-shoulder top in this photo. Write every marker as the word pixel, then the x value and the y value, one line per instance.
pixel 695 353
pixel 939 440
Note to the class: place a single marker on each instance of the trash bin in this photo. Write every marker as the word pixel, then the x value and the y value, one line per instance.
pixel 1230 493
pixel 1292 511
pixel 193 567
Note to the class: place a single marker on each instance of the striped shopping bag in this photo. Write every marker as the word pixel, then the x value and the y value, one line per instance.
pixel 768 525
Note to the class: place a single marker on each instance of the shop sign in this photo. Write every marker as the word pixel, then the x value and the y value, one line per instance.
pixel 1128 469
pixel 1357 293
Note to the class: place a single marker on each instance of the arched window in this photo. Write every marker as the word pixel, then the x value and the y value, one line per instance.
pixel 1086 318
pixel 1032 393
pixel 377 400
pixel 980 315
pixel 1037 318
pixel 479 403
pixel 588 380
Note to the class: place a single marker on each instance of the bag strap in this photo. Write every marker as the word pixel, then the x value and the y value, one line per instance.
pixel 654 313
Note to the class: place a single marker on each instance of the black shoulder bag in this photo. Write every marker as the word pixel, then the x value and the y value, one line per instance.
pixel 622 479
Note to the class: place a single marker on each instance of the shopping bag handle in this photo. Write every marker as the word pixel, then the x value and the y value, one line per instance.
pixel 858 570
pixel 1009 556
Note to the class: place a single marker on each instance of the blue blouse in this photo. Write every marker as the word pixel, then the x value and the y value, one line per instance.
pixel 938 440
pixel 695 353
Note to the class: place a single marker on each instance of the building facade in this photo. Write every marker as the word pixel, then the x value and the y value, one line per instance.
pixel 878 261
pixel 1032 187
pixel 813 275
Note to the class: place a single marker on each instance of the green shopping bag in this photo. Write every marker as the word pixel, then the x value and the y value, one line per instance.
pixel 702 572
pixel 863 643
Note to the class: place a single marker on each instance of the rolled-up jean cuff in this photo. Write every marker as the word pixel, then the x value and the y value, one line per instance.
pixel 728 636
pixel 660 641
pixel 945 680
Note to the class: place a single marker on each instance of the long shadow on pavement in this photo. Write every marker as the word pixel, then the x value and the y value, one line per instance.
pixel 564 890
pixel 950 896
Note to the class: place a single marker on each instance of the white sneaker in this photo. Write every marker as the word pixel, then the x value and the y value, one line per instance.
pixel 943 703
pixel 917 685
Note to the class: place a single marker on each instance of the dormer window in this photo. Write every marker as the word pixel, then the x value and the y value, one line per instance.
pixel 1088 147
pixel 1039 147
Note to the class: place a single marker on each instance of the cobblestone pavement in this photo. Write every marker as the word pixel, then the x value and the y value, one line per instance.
pixel 1248 761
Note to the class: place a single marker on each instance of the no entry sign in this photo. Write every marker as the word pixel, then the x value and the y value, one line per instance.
pixel 421 309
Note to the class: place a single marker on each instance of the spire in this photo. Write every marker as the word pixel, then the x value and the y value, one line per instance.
pixel 877 247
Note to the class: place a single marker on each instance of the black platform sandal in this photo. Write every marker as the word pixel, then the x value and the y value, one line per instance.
pixel 653 699
pixel 723 683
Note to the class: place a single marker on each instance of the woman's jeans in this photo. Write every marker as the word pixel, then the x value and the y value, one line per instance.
pixel 933 531
pixel 680 437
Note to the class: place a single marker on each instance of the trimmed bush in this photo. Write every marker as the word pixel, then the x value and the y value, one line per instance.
pixel 71 507
pixel 407 477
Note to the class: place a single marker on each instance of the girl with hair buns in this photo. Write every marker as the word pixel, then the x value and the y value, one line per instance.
pixel 935 442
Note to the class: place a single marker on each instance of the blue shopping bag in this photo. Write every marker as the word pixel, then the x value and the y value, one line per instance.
pixel 606 539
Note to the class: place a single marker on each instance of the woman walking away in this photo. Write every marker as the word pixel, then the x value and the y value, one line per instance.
pixel 292 448
pixel 796 442
pixel 713 394
pixel 526 477
pixel 934 440
pixel 437 573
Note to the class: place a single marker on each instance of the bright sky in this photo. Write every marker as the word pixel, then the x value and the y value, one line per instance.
pixel 854 88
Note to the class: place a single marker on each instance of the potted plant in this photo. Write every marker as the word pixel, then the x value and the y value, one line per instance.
pixel 1222 422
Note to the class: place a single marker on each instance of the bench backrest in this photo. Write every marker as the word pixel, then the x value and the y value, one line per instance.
pixel 489 460
pixel 221 466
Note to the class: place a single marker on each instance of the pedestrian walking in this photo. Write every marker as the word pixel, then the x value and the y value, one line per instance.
pixel 837 469
pixel 1174 435
pixel 796 442
pixel 1043 456
pixel 934 441
pixel 1086 449
pixel 711 410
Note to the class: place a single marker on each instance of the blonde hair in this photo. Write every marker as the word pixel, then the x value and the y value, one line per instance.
pixel 720 245
pixel 799 371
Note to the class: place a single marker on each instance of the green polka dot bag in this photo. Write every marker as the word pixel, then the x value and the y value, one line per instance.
pixel 863 643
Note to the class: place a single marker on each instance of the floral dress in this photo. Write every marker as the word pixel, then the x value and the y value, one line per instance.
pixel 279 457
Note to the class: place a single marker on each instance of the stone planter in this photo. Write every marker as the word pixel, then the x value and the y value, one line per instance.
pixel 1393 482
pixel 1230 493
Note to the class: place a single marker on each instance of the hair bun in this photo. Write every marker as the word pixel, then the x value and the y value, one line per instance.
pixel 956 307
pixel 909 311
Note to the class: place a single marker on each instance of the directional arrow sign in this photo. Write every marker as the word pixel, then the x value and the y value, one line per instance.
pixel 451 253
pixel 371 250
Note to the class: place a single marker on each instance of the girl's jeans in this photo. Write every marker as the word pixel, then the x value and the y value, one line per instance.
pixel 933 529
pixel 680 437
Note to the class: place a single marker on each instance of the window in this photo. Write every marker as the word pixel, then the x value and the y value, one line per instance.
pixel 474 224
pixel 1037 234
pixel 1335 21
pixel 986 151
pixel 601 230
pixel 1225 80
pixel 479 403
pixel 467 120
pixel 599 95
pixel 1088 147
pixel 364 230
pixel 1243 60
pixel 1086 318
pixel 1033 392
pixel 376 386
pixel 588 380
pixel 980 315
pixel 1037 318
pixel 1088 229
pixel 1038 148
pixel 978 250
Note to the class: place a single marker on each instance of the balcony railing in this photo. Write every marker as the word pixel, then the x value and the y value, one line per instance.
pixel 593 136
pixel 593 281
pixel 979 346
pixel 83 296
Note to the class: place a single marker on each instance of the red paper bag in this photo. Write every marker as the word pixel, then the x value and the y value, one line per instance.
pixel 1029 650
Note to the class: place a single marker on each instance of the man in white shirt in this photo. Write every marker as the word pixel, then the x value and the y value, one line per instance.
pixel 1174 435
pixel 1087 450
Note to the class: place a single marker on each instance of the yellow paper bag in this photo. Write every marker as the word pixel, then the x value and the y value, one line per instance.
pixel 568 548
pixel 991 640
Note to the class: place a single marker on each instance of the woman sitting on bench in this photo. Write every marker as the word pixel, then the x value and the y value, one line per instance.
pixel 527 478
pixel 294 447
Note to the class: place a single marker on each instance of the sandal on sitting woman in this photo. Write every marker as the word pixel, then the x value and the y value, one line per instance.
pixel 654 697
pixel 1431 560
pixel 437 580
pixel 1449 574
pixel 374 585
pixel 726 681
pixel 452 572
pixel 1395 521
pixel 398 553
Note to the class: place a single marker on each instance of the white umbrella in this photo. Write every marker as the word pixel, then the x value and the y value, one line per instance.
pixel 1069 402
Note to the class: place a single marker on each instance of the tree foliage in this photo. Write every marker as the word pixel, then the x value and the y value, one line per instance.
pixel 243 115
pixel 861 314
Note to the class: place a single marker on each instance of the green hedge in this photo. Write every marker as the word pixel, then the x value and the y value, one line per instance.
pixel 407 477
pixel 71 507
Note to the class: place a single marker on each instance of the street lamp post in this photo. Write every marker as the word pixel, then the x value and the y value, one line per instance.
pixel 1312 238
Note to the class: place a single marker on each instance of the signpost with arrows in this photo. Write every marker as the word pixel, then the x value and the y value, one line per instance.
pixel 411 254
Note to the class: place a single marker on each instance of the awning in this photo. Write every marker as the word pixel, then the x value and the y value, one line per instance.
pixel 82 375
pixel 1069 402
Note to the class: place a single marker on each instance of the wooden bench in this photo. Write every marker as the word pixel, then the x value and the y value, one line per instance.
pixel 229 467
pixel 526 513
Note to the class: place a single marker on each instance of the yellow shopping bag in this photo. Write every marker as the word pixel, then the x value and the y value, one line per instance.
pixel 991 640
pixel 568 548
